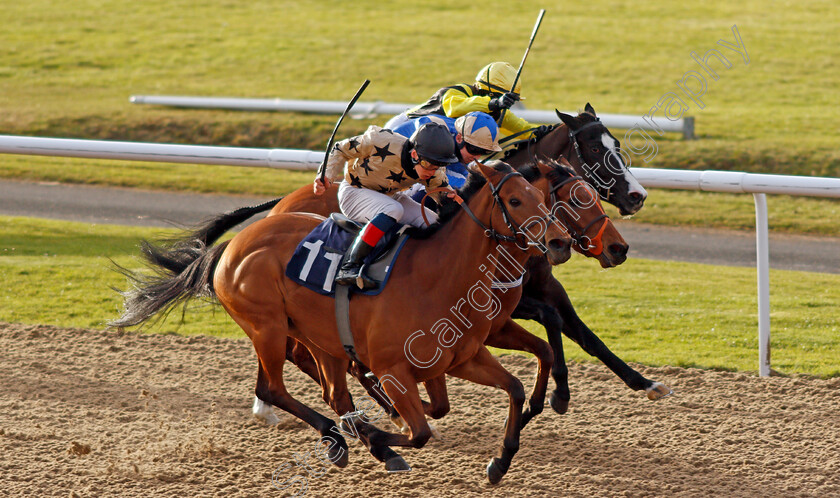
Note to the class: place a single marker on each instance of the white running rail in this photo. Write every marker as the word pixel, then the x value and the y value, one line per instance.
pixel 710 181
pixel 370 109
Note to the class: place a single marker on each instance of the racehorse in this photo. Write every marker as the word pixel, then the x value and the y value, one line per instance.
pixel 247 276
pixel 571 201
pixel 594 234
pixel 594 154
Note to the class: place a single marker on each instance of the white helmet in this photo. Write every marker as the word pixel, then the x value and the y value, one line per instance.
pixel 480 130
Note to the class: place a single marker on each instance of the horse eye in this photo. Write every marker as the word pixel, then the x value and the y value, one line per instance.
pixel 514 202
pixel 595 149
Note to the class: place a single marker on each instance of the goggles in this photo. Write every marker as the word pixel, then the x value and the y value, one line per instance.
pixel 476 151
pixel 431 165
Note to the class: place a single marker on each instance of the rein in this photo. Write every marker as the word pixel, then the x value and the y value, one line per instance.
pixel 490 232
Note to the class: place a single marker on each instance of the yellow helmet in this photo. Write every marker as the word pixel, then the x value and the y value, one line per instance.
pixel 497 77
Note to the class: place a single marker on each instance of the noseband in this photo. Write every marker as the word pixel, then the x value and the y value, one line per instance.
pixel 604 192
pixel 597 244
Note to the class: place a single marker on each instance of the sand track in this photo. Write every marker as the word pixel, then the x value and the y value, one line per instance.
pixel 102 413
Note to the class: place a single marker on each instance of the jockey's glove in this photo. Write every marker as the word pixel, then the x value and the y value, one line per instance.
pixel 502 102
pixel 540 131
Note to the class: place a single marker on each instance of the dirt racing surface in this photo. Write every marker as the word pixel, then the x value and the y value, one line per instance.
pixel 103 413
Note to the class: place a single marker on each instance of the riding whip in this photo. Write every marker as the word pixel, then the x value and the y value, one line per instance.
pixel 521 64
pixel 322 170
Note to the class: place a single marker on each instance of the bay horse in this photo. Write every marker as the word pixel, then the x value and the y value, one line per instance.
pixel 581 214
pixel 247 276
pixel 570 199
pixel 594 154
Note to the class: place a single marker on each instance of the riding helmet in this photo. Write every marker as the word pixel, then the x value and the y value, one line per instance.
pixel 434 142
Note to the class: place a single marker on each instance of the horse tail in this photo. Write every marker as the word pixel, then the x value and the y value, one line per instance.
pixel 176 254
pixel 182 269
pixel 158 294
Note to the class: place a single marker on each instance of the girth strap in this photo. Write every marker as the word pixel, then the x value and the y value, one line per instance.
pixel 342 320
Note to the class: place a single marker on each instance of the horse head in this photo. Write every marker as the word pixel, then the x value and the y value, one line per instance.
pixel 596 155
pixel 522 209
pixel 575 205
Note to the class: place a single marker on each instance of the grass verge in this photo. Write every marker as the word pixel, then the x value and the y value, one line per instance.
pixel 652 312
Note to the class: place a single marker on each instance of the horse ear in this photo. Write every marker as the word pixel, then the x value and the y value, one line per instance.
pixel 589 109
pixel 489 172
pixel 542 165
pixel 564 162
pixel 567 119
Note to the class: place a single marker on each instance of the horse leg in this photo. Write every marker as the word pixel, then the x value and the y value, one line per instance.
pixel 533 309
pixel 485 369
pixel 576 330
pixel 268 335
pixel 401 387
pixel 436 388
pixel 355 421
pixel 298 354
pixel 513 336
pixel 369 381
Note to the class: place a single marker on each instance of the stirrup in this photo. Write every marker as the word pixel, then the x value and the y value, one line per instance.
pixel 346 277
pixel 363 281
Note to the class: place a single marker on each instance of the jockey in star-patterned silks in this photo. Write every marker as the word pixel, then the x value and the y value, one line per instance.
pixel 492 92
pixel 378 167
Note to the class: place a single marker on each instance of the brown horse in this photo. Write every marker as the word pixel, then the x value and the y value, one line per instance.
pixel 596 155
pixel 579 213
pixel 247 276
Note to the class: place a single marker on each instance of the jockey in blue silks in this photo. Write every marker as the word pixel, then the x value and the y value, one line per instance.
pixel 476 135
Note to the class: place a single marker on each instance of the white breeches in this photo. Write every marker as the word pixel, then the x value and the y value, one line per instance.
pixel 362 204
pixel 396 121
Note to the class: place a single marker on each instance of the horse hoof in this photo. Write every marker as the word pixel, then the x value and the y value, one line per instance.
pixel 338 458
pixel 658 390
pixel 559 405
pixel 436 433
pixel 397 464
pixel 264 412
pixel 494 471
pixel 270 419
pixel 400 424
pixel 338 454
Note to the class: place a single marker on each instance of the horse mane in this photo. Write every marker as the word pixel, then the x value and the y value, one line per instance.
pixel 521 144
pixel 449 208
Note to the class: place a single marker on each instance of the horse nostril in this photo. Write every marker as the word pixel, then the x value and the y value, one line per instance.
pixel 618 250
pixel 637 197
pixel 559 245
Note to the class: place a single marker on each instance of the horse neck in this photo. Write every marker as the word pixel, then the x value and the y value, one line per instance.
pixel 557 143
pixel 462 246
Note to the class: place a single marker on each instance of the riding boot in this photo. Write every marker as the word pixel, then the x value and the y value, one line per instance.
pixel 351 270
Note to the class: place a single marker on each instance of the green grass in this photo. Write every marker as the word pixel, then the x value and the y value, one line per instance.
pixel 656 313
pixel 67 69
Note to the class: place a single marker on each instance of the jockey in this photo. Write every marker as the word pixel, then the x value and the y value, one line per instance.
pixel 378 166
pixel 475 134
pixel 491 93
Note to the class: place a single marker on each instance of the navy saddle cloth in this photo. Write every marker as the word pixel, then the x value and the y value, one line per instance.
pixel 318 256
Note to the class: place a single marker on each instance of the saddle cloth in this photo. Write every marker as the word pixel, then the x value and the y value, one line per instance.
pixel 318 256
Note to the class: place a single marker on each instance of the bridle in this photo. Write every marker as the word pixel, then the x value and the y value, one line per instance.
pixel 603 192
pixel 519 235
pixel 597 245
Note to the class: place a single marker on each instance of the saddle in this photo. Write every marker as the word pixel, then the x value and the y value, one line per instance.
pixel 319 255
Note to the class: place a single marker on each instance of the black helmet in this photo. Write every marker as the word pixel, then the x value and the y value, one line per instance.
pixel 434 142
